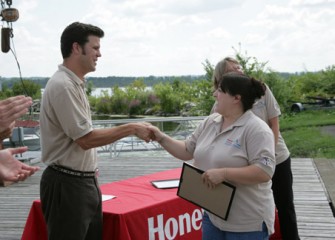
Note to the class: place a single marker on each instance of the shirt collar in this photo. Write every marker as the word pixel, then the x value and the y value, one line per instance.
pixel 244 118
pixel 72 75
pixel 239 122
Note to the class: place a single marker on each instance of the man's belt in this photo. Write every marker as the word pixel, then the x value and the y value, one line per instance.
pixel 75 173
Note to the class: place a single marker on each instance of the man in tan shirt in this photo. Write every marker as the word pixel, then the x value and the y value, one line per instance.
pixel 70 194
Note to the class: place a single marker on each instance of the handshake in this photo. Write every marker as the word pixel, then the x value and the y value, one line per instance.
pixel 175 147
pixel 147 132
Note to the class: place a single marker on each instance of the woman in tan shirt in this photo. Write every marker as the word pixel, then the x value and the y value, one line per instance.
pixel 233 145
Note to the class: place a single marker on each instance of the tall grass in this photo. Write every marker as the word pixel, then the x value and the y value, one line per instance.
pixel 304 136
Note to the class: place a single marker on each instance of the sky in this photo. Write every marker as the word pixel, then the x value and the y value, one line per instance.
pixel 175 37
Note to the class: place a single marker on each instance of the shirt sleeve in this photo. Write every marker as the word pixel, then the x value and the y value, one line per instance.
pixel 73 114
pixel 191 141
pixel 261 150
pixel 272 106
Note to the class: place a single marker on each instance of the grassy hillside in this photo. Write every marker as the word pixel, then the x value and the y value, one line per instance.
pixel 304 135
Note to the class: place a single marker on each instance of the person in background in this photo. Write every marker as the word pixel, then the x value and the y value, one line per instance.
pixel 236 146
pixel 69 190
pixel 267 108
pixel 12 169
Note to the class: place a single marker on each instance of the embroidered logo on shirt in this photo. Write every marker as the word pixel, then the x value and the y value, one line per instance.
pixel 266 161
pixel 260 102
pixel 233 143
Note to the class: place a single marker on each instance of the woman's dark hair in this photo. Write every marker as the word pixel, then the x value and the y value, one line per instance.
pixel 77 32
pixel 248 88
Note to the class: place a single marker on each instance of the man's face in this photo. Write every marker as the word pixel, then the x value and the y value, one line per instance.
pixel 90 54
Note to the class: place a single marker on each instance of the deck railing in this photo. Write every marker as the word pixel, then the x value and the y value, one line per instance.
pixel 183 128
pixel 178 127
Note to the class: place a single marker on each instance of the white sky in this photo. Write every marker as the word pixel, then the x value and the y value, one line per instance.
pixel 174 37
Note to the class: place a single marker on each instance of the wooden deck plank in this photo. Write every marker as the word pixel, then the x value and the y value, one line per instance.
pixel 315 218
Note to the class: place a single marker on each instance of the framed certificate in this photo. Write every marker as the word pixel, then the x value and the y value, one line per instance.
pixel 217 201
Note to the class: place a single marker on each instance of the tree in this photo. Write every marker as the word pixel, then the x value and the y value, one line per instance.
pixel 170 102
pixel 89 88
pixel 118 101
pixel 204 95
pixel 328 80
pixel 250 65
pixel 281 88
pixel 27 87
pixel 136 97
pixel 5 91
pixel 102 105
pixel 209 70
pixel 202 91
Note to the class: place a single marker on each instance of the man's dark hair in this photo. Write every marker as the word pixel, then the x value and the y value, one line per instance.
pixel 77 32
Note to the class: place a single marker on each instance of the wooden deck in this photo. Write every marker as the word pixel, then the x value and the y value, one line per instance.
pixel 314 214
pixel 315 218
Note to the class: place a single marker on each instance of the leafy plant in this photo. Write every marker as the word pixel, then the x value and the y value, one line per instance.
pixel 27 87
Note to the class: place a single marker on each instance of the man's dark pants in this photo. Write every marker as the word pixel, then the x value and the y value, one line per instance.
pixel 71 206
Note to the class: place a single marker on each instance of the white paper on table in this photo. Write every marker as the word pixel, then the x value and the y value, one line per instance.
pixel 107 197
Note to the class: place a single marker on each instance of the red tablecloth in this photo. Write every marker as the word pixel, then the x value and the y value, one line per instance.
pixel 139 211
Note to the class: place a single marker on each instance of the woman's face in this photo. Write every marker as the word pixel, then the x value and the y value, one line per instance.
pixel 233 67
pixel 223 101
pixel 230 67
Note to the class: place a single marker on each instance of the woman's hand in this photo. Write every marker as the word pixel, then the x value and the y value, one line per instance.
pixel 213 177
pixel 156 134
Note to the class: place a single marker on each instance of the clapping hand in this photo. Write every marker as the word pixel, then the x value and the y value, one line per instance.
pixel 12 169
pixel 13 108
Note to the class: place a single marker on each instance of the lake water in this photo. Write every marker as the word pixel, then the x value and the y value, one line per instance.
pixel 97 92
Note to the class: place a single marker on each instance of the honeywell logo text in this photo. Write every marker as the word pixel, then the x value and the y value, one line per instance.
pixel 172 228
